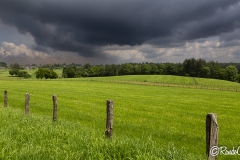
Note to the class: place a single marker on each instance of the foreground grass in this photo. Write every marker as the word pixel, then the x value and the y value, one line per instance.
pixel 168 115
pixel 36 137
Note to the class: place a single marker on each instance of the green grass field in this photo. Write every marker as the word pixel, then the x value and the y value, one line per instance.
pixel 150 122
pixel 169 80
pixel 153 78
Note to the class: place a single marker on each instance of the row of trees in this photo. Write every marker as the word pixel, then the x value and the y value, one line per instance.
pixel 203 69
pixel 19 73
pixel 3 64
pixel 16 70
pixel 190 67
pixel 40 74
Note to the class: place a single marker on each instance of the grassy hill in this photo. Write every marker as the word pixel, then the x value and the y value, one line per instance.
pixel 150 121
pixel 169 80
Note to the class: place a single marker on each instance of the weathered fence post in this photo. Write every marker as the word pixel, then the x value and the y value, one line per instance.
pixel 54 98
pixel 6 98
pixel 27 104
pixel 211 136
pixel 109 121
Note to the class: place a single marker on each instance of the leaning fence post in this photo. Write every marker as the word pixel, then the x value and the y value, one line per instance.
pixel 54 98
pixel 109 120
pixel 211 136
pixel 6 98
pixel 27 104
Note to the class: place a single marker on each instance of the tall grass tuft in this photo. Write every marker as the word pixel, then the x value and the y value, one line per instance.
pixel 37 137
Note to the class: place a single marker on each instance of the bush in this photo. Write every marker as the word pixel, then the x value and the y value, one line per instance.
pixel 46 73
pixel 14 72
pixel 69 72
pixel 23 74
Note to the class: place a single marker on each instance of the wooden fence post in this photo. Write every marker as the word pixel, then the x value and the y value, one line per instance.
pixel 6 98
pixel 109 120
pixel 211 136
pixel 54 98
pixel 27 104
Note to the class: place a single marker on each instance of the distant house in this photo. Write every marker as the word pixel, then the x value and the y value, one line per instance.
pixel 27 67
pixel 31 67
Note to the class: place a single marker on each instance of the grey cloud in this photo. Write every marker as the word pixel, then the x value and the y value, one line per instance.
pixel 150 52
pixel 236 53
pixel 86 26
pixel 230 39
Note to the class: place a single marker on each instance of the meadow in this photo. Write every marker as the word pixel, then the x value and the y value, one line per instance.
pixel 170 80
pixel 150 121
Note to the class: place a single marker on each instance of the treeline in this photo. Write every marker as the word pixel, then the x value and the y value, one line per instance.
pixel 190 67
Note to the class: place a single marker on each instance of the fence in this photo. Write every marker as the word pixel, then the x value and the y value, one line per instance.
pixel 211 122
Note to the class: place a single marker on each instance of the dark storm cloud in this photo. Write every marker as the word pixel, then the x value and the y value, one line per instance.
pixel 85 26
pixel 230 39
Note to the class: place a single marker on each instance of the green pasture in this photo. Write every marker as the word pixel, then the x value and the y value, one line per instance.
pixel 169 80
pixel 163 80
pixel 149 121
pixel 151 78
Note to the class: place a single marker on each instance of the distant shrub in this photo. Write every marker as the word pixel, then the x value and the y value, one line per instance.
pixel 46 73
pixel 23 74
pixel 14 72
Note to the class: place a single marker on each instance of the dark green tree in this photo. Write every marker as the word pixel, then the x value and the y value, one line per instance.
pixel 24 74
pixel 15 66
pixel 85 73
pixel 170 69
pixel 220 73
pixel 154 69
pixel 126 69
pixel 102 70
pixel 213 66
pixel 238 78
pixel 53 74
pixel 146 69
pixel 161 68
pixel 231 73
pixel 110 70
pixel 3 64
pixel 205 72
pixel 190 67
pixel 179 69
pixel 13 72
pixel 136 69
pixel 40 73
pixel 200 63
pixel 68 72
pixel 46 73
pixel 87 66
pixel 95 71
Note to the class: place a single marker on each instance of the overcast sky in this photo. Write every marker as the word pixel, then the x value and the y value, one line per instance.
pixel 118 31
